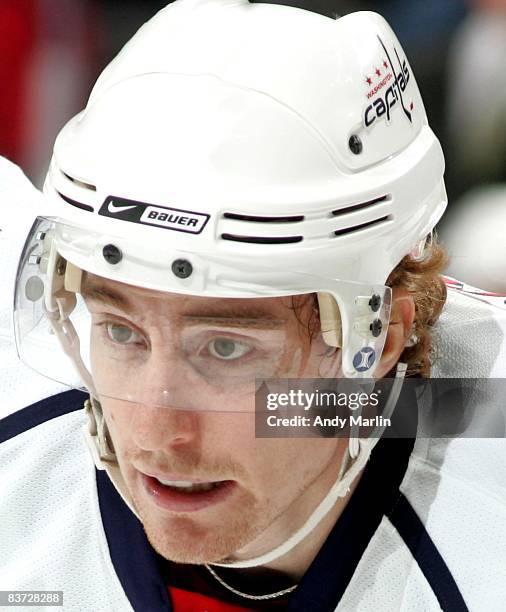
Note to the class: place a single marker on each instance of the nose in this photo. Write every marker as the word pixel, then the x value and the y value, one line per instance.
pixel 163 417
pixel 164 428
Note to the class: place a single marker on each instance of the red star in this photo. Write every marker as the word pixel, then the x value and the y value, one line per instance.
pixel 369 80
pixel 378 71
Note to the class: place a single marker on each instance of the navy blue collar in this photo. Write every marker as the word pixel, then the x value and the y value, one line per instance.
pixel 41 412
pixel 135 561
pixel 326 580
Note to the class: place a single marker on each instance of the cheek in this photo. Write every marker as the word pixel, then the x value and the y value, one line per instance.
pixel 291 463
pixel 277 467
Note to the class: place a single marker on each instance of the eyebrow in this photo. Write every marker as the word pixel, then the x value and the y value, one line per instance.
pixel 107 297
pixel 263 321
pixel 244 316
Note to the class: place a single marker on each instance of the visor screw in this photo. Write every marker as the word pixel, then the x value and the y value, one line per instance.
pixel 112 254
pixel 376 327
pixel 375 302
pixel 34 260
pixel 355 144
pixel 182 268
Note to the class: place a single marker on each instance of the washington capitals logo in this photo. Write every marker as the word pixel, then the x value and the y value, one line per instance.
pixel 389 89
pixel 364 359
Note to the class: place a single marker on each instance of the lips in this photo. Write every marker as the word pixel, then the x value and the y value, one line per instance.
pixel 177 495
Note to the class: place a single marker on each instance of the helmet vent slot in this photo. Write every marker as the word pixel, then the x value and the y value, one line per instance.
pixel 80 205
pixel 361 206
pixel 79 183
pixel 262 239
pixel 350 230
pixel 255 219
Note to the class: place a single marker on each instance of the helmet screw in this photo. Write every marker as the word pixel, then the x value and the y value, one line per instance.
pixel 355 144
pixel 376 327
pixel 112 254
pixel 375 302
pixel 182 268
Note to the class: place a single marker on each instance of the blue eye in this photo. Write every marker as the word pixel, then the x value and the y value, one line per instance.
pixel 227 349
pixel 121 334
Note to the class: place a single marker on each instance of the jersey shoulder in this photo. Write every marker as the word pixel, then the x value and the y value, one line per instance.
pixel 50 523
pixel 470 336
pixel 497 300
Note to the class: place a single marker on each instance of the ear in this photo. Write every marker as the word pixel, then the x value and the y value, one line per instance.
pixel 399 330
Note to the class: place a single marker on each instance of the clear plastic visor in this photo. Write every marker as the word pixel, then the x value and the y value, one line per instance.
pixel 127 343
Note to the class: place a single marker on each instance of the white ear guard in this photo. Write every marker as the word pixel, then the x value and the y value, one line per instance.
pixel 358 325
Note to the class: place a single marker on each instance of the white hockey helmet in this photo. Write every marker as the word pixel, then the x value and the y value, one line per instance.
pixel 245 150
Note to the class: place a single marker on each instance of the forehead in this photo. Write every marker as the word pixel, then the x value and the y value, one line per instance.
pixel 130 298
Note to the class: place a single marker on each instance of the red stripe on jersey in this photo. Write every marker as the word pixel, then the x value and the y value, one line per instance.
pixel 453 283
pixel 186 601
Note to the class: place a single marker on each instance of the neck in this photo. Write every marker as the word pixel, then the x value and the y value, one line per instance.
pixel 297 561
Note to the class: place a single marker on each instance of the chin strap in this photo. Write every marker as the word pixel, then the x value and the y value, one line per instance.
pixel 355 458
pixel 341 487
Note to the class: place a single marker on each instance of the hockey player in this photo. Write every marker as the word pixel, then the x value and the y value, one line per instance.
pixel 246 197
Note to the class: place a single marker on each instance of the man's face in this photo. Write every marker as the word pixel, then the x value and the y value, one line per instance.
pixel 175 376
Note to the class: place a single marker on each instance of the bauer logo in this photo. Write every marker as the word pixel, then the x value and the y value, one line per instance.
pixel 171 218
pixel 160 216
